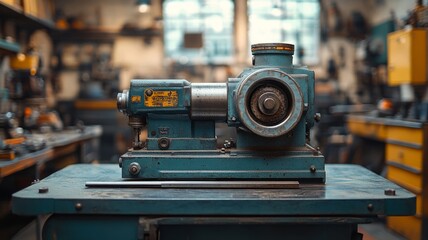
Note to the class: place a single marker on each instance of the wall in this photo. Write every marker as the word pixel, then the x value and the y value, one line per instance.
pixel 381 9
pixel 139 59
pixel 132 54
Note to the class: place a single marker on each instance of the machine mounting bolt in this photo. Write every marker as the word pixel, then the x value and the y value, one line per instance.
pixel 370 207
pixel 43 190
pixel 233 119
pixel 134 168
pixel 313 169
pixel 78 206
pixel 390 192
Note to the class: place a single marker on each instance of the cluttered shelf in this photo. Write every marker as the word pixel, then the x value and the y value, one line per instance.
pixel 100 35
pixel 54 147
pixel 8 46
pixel 24 18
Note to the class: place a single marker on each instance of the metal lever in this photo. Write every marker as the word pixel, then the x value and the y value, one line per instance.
pixel 197 184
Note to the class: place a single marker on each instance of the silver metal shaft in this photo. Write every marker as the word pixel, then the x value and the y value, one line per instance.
pixel 209 101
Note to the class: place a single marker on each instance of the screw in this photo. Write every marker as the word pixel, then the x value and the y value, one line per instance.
pixel 149 92
pixel 35 181
pixel 120 162
pixel 370 207
pixel 390 192
pixel 312 169
pixel 305 106
pixel 317 117
pixel 233 119
pixel 43 190
pixel 78 206
pixel 223 150
pixel 163 143
pixel 134 168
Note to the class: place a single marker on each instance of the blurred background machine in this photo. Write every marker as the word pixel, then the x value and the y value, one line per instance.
pixel 267 182
pixel 27 92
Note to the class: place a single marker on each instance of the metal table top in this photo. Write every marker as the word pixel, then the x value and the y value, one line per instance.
pixel 350 190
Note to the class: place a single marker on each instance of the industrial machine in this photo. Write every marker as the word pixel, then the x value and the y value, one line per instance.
pixel 176 183
pixel 271 105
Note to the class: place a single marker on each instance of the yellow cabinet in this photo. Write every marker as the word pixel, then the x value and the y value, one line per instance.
pixel 407 57
pixel 405 156
pixel 409 226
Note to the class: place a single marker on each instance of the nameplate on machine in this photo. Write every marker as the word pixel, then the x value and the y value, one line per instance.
pixel 161 99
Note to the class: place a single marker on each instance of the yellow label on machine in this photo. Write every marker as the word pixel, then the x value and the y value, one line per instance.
pixel 161 99
pixel 135 99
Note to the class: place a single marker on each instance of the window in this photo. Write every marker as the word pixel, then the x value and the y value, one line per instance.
pixel 289 21
pixel 198 31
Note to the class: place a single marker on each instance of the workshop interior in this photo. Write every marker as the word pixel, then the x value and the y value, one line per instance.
pixel 214 119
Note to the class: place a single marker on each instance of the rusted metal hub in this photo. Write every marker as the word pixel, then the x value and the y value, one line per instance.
pixel 269 105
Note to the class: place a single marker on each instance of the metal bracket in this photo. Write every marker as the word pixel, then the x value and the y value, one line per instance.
pixel 147 229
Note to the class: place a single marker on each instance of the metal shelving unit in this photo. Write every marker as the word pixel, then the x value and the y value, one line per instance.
pixel 23 19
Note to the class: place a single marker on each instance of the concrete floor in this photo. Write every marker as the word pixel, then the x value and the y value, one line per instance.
pixel 378 231
pixel 373 231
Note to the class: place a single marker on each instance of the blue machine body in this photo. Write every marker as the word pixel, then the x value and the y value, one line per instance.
pixel 271 106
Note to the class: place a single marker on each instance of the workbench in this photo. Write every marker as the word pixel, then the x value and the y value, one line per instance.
pixel 61 149
pixel 406 159
pixel 57 144
pixel 351 195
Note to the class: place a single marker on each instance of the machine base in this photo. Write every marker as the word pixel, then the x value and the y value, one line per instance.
pixel 183 228
pixel 351 195
pixel 304 166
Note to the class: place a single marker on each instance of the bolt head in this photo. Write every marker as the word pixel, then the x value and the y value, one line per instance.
pixel 78 206
pixel 269 103
pixel 134 168
pixel 149 92
pixel 390 192
pixel 43 190
pixel 317 117
pixel 163 143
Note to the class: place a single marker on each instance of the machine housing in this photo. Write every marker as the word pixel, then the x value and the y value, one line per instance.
pixel 271 106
